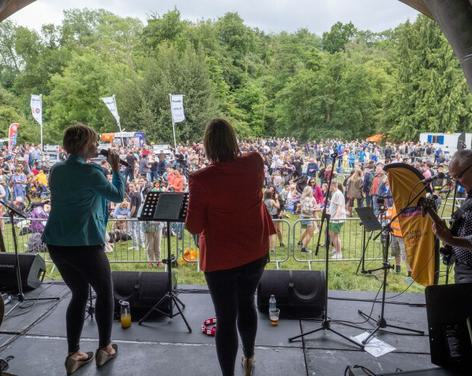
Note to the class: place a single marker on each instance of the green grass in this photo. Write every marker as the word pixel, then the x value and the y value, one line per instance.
pixel 342 274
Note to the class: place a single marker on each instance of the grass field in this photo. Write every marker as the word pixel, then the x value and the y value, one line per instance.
pixel 342 273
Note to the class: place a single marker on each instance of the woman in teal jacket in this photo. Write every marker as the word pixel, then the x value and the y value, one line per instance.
pixel 75 236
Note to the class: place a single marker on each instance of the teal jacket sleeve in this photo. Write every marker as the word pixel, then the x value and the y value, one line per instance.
pixel 114 192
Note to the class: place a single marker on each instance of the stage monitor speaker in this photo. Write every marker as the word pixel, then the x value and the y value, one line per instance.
pixel 32 268
pixel 142 290
pixel 299 294
pixel 449 312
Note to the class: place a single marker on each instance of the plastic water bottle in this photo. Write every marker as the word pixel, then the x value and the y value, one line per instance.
pixel 272 303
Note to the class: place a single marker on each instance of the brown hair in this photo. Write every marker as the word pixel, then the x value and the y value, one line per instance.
pixel 220 141
pixel 77 136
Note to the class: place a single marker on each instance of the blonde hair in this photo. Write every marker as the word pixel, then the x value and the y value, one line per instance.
pixel 77 136
pixel 307 192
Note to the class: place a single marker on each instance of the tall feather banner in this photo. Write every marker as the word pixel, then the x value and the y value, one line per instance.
pixel 405 183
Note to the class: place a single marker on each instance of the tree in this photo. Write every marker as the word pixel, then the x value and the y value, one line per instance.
pixel 336 100
pixel 167 28
pixel 336 39
pixel 430 93
pixel 169 71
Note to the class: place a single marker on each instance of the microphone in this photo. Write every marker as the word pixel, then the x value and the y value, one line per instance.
pixel 439 175
pixel 104 152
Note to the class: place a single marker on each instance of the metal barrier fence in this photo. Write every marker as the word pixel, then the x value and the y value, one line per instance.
pixel 129 241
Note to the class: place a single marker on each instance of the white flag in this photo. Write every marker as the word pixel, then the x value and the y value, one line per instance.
pixel 37 108
pixel 110 102
pixel 177 108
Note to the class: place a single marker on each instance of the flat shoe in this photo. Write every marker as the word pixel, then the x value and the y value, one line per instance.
pixel 102 357
pixel 248 365
pixel 73 365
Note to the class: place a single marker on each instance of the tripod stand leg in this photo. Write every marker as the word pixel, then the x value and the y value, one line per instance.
pixel 292 339
pixel 154 308
pixel 419 332
pixel 325 325
pixel 370 336
pixel 347 338
pixel 175 299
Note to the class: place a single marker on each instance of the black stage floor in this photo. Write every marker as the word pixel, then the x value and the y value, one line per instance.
pixel 164 347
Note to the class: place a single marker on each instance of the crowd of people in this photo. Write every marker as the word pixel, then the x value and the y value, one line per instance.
pixel 296 179
pixel 261 180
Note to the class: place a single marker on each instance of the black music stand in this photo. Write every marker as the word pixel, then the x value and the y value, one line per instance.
pixel 166 207
pixel 20 296
pixel 370 224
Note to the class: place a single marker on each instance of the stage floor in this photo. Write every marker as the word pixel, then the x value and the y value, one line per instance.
pixel 164 347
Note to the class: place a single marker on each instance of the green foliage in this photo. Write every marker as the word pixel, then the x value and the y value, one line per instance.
pixel 338 37
pixel 430 89
pixel 349 83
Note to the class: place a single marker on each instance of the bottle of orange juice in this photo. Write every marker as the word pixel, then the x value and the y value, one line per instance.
pixel 125 314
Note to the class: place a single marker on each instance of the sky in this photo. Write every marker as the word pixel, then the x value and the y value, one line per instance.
pixel 271 16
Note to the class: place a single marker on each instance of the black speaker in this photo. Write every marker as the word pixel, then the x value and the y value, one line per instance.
pixel 142 290
pixel 32 268
pixel 449 312
pixel 299 294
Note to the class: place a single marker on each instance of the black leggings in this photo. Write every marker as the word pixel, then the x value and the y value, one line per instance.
pixel 232 292
pixel 79 267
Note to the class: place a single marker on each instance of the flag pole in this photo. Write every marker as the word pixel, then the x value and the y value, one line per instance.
pixel 41 124
pixel 118 119
pixel 173 124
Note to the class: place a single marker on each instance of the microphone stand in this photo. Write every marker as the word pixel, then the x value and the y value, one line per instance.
pixel 447 258
pixel 20 296
pixel 381 323
pixel 326 321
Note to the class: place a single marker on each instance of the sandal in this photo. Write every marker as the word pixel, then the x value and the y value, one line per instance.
pixel 102 357
pixel 73 365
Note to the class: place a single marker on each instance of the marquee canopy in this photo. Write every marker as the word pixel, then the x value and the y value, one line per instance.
pixel 8 7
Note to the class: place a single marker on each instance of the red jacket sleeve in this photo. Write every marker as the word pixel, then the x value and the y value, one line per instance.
pixel 196 212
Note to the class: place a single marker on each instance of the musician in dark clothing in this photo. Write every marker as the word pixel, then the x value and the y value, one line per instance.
pixel 460 169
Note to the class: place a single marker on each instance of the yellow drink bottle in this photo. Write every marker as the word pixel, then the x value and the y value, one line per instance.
pixel 125 314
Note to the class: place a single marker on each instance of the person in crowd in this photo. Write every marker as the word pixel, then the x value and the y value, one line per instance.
pixel 337 212
pixel 18 181
pixel 121 213
pixel 397 245
pixel 226 209
pixel 272 203
pixel 162 164
pixel 308 207
pixel 460 169
pixel 374 189
pixel 367 183
pixel 354 187
pixel 39 215
pixel 75 237
pixel 294 196
pixel 135 199
pixel 152 236
pixel 317 191
pixel 144 167
pixel 129 170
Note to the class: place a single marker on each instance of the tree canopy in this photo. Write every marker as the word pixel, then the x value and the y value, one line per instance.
pixel 347 83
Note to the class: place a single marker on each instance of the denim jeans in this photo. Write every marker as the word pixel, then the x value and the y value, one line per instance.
pixel 137 234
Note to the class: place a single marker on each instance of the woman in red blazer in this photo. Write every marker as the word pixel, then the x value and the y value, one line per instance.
pixel 226 209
